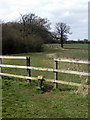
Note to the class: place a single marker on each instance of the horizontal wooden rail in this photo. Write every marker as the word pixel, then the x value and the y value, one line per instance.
pixel 64 82
pixel 18 76
pixel 13 57
pixel 74 72
pixel 62 60
pixel 46 69
pixel 72 61
pixel 27 67
pixel 36 78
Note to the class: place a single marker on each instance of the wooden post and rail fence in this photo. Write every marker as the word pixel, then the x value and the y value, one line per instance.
pixel 40 79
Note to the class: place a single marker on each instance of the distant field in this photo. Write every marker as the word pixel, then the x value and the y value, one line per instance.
pixel 76 51
pixel 23 101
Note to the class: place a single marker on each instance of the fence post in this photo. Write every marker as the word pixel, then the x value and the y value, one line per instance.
pixel 0 67
pixel 40 81
pixel 55 66
pixel 28 70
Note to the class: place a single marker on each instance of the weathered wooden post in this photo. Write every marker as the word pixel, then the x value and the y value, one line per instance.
pixel 55 66
pixel 40 81
pixel 28 70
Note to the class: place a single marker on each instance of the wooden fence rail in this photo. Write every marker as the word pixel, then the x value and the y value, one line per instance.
pixel 54 69
pixel 36 78
pixel 72 61
pixel 13 57
pixel 46 69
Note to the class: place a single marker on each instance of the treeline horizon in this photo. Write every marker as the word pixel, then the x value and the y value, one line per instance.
pixel 28 34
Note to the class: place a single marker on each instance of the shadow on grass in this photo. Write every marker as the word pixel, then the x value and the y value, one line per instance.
pixel 50 88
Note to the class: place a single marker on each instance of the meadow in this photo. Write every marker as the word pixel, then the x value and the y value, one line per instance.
pixel 23 101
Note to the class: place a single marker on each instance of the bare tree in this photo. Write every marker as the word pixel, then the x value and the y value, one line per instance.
pixel 62 31
pixel 32 24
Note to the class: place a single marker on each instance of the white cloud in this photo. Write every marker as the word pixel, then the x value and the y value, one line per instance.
pixel 72 12
pixel 67 13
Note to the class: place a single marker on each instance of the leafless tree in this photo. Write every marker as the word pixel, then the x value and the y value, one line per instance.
pixel 62 31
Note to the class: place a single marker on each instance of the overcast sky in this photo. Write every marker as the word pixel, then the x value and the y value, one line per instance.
pixel 72 12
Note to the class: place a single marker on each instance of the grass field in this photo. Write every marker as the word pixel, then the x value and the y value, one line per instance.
pixel 23 101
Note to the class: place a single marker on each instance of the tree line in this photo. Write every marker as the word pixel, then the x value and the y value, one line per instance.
pixel 29 33
pixel 84 41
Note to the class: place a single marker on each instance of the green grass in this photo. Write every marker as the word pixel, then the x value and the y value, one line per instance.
pixel 74 51
pixel 23 101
